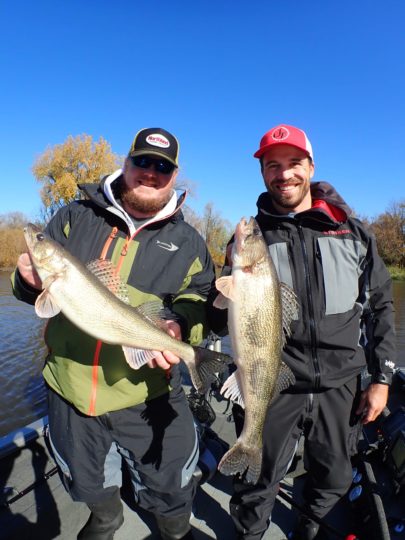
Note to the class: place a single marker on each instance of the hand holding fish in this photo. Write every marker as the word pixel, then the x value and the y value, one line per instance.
pixel 27 270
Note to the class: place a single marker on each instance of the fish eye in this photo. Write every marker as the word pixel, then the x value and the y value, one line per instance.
pixel 256 231
pixel 40 237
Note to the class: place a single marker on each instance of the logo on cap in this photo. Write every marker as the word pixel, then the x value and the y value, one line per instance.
pixel 280 134
pixel 155 139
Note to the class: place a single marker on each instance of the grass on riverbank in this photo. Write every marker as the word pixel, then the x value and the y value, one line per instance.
pixel 397 274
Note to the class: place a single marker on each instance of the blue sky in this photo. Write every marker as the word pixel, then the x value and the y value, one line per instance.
pixel 218 74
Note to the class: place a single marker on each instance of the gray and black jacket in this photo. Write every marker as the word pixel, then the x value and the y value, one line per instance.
pixel 346 314
pixel 162 259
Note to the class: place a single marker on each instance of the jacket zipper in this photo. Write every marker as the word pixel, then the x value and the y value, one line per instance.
pixel 99 343
pixel 312 327
pixel 97 352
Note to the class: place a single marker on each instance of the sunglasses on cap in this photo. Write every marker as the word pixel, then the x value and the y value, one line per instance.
pixel 160 165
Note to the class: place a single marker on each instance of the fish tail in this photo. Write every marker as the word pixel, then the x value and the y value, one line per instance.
pixel 207 364
pixel 241 458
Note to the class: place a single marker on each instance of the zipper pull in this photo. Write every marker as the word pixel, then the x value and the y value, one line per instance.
pixel 110 238
pixel 124 250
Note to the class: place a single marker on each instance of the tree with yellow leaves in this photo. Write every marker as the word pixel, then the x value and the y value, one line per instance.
pixel 62 167
pixel 215 230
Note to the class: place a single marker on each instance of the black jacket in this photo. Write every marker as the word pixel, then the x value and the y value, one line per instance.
pixel 346 314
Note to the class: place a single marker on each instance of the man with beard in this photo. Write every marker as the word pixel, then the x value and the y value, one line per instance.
pixel 331 262
pixel 101 410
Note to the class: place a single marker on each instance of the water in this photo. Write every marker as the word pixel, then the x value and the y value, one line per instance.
pixel 22 352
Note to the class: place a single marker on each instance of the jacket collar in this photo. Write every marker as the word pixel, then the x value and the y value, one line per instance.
pixel 103 195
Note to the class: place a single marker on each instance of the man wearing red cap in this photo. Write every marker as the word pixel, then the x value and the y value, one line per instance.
pixel 343 287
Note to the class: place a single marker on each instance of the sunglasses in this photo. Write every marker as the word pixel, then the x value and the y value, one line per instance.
pixel 160 165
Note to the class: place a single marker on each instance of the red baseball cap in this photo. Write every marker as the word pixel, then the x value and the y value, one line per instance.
pixel 284 134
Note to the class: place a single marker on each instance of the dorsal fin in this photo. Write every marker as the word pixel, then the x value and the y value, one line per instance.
pixel 157 313
pixel 153 311
pixel 105 271
pixel 286 378
pixel 290 308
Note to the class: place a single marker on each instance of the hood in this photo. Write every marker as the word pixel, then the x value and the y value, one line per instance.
pixel 325 199
pixel 103 195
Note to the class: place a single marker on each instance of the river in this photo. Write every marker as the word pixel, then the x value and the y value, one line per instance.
pixel 22 393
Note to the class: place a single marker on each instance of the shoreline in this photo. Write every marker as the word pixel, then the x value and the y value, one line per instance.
pixel 396 273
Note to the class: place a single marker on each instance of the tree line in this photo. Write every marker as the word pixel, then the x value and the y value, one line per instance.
pixel 61 168
pixel 389 230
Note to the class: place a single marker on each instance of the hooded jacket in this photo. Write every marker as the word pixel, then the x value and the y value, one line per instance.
pixel 162 259
pixel 346 314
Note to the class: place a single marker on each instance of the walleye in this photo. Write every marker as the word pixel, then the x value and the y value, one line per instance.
pixel 259 308
pixel 83 298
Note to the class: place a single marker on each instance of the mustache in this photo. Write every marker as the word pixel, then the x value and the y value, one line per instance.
pixel 292 182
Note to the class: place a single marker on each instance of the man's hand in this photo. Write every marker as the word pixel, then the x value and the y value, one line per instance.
pixel 167 359
pixel 28 272
pixel 372 402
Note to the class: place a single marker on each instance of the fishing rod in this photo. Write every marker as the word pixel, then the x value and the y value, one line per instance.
pixel 335 532
pixel 20 494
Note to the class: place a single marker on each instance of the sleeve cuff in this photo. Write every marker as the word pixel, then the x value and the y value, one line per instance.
pixel 382 378
pixel 25 291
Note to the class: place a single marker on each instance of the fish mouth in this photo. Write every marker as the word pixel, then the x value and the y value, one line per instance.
pixel 244 231
pixel 241 231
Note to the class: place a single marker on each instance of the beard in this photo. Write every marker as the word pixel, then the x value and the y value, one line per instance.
pixel 288 201
pixel 142 205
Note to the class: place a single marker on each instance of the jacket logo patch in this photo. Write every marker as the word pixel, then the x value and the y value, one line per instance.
pixel 337 233
pixel 168 247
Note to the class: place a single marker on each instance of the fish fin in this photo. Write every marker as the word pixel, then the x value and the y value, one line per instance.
pixel 207 364
pixel 220 302
pixel 231 390
pixel 225 286
pixel 286 378
pixel 241 458
pixel 106 272
pixel 156 313
pixel 290 309
pixel 137 358
pixel 45 305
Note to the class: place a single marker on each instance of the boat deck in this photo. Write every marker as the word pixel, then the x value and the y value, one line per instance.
pixel 46 511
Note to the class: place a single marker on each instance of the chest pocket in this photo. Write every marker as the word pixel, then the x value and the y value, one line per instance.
pixel 342 263
pixel 279 254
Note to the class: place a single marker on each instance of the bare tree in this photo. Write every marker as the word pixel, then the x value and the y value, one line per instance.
pixel 215 230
